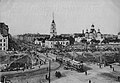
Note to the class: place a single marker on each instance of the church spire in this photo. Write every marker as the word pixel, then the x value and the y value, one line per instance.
pixel 53 31
pixel 53 18
pixel 92 26
pixel 53 15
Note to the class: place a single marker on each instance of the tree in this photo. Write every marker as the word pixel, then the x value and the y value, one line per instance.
pixel 13 43
pixel 71 39
pixel 84 41
pixel 105 41
pixel 94 41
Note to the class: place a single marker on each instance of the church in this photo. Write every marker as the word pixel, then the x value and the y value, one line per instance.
pixel 93 34
pixel 54 39
pixel 89 35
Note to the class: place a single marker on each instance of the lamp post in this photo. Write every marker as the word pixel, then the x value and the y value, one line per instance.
pixel 49 69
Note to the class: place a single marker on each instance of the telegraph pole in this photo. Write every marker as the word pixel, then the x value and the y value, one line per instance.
pixel 4 79
pixel 49 69
pixel 100 58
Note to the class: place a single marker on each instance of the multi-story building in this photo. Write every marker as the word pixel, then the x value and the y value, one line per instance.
pixel 52 42
pixel 4 36
pixel 32 37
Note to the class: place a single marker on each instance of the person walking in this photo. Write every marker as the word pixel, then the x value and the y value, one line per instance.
pixel 89 81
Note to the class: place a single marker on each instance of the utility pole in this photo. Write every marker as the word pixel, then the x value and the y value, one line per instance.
pixel 100 58
pixel 4 79
pixel 49 69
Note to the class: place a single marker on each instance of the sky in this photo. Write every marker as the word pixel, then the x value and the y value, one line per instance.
pixel 71 16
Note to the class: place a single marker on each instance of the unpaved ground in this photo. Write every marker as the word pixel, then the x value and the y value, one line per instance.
pixel 94 75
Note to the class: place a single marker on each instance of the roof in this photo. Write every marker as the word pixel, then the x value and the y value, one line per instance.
pixel 56 39
pixel 92 30
pixel 98 32
pixel 65 35
pixel 40 39
pixel 79 35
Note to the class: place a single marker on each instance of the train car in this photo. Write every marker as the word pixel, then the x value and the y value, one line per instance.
pixel 59 59
pixel 75 64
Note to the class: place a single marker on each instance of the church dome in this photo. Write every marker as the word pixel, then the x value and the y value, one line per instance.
pixel 92 25
pixel 53 21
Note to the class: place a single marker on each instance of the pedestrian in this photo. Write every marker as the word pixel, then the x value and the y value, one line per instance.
pixel 110 66
pixel 89 81
pixel 113 69
pixel 100 65
pixel 85 72
pixel 47 68
pixel 56 73
pixel 118 78
pixel 46 77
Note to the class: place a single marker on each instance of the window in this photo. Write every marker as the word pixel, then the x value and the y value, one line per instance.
pixel 60 42
pixel 4 48
pixel 53 31
pixel 4 40
pixel 0 48
pixel 4 44
pixel 0 44
pixel 66 43
pixel 0 40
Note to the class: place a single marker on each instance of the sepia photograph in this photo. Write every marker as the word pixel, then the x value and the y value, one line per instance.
pixel 59 41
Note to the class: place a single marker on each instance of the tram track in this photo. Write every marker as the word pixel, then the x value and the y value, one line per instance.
pixel 29 74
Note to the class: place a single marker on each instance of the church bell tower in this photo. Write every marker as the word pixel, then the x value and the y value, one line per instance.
pixel 53 31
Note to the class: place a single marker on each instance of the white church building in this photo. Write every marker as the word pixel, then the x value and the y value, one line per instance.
pixel 50 43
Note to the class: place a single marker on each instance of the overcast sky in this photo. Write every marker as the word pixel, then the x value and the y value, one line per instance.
pixel 71 16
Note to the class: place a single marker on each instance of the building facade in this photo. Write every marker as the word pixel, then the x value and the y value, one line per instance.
pixel 51 43
pixel 93 34
pixel 89 35
pixel 32 37
pixel 38 41
pixel 4 36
